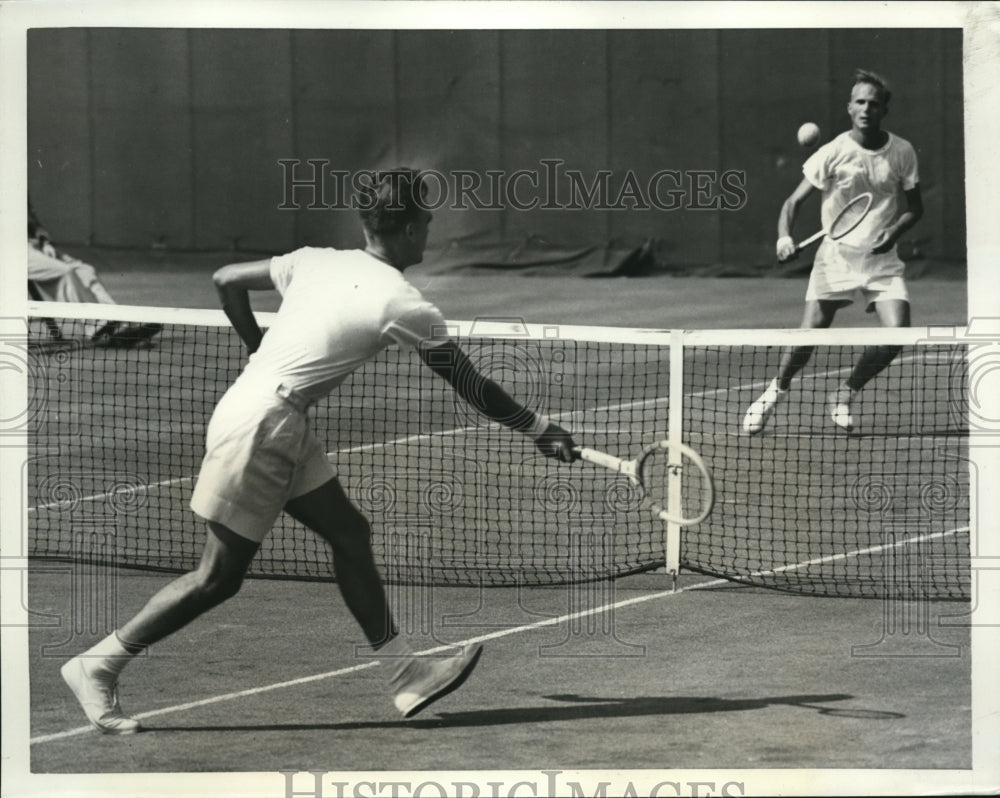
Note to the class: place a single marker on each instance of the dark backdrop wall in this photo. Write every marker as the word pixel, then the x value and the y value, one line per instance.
pixel 173 137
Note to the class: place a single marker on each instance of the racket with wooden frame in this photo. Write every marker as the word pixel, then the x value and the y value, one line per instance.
pixel 676 484
pixel 849 217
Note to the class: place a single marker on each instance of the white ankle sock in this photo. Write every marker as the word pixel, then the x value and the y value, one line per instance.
pixel 110 654
pixel 399 646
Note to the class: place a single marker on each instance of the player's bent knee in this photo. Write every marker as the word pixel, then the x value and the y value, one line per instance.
pixel 349 532
pixel 215 588
pixel 356 529
pixel 224 563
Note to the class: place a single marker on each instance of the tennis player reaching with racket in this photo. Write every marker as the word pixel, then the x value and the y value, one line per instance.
pixel 339 308
pixel 862 264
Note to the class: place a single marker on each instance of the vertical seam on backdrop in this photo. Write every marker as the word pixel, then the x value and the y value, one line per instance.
pixel 396 123
pixel 500 136
pixel 293 119
pixel 608 124
pixel 941 232
pixel 720 123
pixel 943 152
pixel 91 144
pixel 829 77
pixel 192 139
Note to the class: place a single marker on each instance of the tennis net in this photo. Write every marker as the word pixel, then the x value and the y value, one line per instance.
pixel 118 434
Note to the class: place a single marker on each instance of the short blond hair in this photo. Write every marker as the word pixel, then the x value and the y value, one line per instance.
pixel 873 79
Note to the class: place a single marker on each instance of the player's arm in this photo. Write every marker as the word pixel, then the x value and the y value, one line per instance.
pixel 785 248
pixel 234 284
pixel 887 238
pixel 448 361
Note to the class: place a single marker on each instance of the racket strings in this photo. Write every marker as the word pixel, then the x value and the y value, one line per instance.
pixel 850 216
pixel 673 482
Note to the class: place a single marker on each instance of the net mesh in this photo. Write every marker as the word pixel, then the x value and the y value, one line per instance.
pixel 802 502
pixel 118 434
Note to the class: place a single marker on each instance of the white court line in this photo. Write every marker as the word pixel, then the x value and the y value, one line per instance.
pixel 842 435
pixel 342 671
pixel 45 738
pixel 370 447
pixel 860 552
pixel 97 496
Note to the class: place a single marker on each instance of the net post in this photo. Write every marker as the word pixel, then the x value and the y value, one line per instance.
pixel 675 421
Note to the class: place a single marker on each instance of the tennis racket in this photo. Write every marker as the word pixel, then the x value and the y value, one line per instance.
pixel 676 485
pixel 850 216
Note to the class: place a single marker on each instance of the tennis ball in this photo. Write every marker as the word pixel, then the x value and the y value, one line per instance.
pixel 809 134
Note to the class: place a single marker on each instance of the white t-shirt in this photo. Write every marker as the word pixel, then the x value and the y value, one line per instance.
pixel 842 169
pixel 339 309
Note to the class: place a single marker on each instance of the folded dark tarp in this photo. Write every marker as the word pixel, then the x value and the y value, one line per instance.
pixel 537 256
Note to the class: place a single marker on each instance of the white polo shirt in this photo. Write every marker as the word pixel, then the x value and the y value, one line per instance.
pixel 339 309
pixel 842 169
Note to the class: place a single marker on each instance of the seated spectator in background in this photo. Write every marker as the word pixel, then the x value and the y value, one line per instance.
pixel 55 276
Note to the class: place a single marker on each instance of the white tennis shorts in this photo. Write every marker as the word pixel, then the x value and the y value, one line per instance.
pixel 845 274
pixel 259 454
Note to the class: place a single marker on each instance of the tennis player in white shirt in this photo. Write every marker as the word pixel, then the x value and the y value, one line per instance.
pixel 863 265
pixel 339 308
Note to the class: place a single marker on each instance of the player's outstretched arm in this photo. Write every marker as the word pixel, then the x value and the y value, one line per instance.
pixel 448 361
pixel 233 284
pixel 785 248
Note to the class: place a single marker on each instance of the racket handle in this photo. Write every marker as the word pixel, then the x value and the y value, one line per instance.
pixel 603 459
pixel 814 237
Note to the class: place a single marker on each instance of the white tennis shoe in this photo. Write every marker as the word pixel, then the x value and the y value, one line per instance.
pixel 422 680
pixel 97 691
pixel 761 410
pixel 840 408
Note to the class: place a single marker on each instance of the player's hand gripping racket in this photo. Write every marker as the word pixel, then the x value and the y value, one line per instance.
pixel 850 216
pixel 676 484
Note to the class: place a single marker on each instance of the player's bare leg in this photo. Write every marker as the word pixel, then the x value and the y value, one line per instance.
pixel 331 515
pixel 416 681
pixel 891 313
pixel 818 313
pixel 93 675
pixel 218 577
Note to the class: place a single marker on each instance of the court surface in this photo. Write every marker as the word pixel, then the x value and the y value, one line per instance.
pixel 621 674
pixel 724 677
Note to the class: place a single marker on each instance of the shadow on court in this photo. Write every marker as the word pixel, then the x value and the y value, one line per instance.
pixel 785 662
pixel 572 708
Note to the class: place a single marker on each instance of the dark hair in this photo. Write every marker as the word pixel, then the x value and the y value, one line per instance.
pixel 873 79
pixel 394 198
